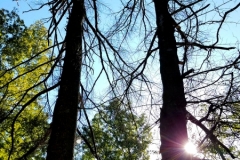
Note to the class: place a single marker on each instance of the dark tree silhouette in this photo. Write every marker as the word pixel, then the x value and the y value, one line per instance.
pixel 64 122
pixel 173 112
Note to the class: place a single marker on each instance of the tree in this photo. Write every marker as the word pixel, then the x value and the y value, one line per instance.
pixel 173 112
pixel 118 134
pixel 66 108
pixel 23 132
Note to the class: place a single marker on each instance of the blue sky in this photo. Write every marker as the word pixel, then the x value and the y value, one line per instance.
pixel 25 5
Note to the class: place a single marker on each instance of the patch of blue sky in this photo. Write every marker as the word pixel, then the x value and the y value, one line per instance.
pixel 24 5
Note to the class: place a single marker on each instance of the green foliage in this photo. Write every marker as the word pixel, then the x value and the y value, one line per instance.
pixel 11 27
pixel 118 134
pixel 23 68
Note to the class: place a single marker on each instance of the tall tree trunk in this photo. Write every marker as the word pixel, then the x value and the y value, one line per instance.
pixel 173 131
pixel 62 139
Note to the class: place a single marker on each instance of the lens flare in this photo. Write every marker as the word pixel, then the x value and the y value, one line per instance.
pixel 190 148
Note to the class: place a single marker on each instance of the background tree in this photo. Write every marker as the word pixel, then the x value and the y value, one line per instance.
pixel 23 67
pixel 118 133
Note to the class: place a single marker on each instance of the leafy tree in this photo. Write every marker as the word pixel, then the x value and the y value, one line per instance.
pixel 23 67
pixel 11 27
pixel 118 134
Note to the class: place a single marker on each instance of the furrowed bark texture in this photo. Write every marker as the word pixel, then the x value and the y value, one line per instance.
pixel 62 139
pixel 173 131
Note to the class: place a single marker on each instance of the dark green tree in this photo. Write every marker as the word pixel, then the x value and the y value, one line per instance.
pixel 118 134
pixel 11 27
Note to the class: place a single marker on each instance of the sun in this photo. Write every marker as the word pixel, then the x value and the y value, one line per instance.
pixel 190 148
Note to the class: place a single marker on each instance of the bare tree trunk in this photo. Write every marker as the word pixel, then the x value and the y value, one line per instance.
pixel 61 143
pixel 173 131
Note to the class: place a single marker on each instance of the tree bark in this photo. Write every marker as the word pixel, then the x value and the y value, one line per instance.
pixel 173 131
pixel 62 139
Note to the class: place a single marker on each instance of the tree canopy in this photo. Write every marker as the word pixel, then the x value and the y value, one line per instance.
pixel 22 69
pixel 118 134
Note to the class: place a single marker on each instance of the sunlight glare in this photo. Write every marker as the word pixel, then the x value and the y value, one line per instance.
pixel 78 141
pixel 190 148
